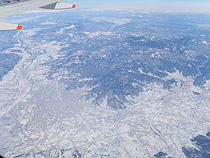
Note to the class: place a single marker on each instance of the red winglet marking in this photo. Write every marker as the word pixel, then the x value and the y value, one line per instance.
pixel 74 6
pixel 19 27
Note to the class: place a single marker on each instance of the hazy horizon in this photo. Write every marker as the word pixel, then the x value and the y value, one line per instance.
pixel 201 6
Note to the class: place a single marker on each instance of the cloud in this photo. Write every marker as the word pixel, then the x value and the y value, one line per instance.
pixel 48 23
pixel 117 21
pixel 61 31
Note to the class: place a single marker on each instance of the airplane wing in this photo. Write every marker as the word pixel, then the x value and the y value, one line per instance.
pixel 13 7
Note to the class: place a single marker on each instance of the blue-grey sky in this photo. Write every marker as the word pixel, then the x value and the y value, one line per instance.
pixel 148 5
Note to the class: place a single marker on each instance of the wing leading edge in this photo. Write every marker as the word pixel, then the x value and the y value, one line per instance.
pixel 13 7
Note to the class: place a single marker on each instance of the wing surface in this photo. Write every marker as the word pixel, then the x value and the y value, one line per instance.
pixel 13 7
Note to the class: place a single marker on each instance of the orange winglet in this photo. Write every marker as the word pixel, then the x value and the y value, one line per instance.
pixel 74 6
pixel 19 27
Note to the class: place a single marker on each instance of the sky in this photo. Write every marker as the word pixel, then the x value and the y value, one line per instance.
pixel 148 5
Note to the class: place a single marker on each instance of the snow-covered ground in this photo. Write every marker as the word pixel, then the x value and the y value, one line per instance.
pixel 41 118
pixel 55 102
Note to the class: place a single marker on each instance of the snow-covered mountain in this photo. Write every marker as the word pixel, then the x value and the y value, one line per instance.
pixel 106 84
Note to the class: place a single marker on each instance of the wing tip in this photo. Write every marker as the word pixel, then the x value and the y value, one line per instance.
pixel 74 6
pixel 19 27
